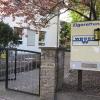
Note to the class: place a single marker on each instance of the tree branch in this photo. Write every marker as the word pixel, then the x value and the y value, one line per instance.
pixel 80 14
pixel 54 16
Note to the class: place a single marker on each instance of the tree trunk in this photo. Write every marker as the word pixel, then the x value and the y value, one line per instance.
pixel 93 15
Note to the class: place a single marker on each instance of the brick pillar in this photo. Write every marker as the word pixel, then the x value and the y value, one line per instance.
pixel 52 72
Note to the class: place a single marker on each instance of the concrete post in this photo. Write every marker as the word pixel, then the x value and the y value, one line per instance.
pixel 52 72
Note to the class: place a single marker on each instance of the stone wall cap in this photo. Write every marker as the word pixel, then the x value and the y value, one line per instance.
pixel 53 48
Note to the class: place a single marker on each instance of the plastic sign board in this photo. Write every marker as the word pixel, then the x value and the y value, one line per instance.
pixel 85 51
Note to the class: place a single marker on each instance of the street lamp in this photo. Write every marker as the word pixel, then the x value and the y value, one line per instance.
pixel 97 34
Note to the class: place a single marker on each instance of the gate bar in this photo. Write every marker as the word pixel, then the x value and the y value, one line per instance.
pixel 15 63
pixel 6 83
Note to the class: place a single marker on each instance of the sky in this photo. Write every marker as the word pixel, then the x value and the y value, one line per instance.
pixel 65 16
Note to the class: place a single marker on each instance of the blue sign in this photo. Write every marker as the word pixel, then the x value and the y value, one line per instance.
pixel 84 40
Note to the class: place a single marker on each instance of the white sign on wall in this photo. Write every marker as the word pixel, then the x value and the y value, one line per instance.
pixel 31 38
pixel 85 51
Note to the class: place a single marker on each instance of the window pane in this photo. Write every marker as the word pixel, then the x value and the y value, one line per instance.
pixel 41 38
pixel 31 38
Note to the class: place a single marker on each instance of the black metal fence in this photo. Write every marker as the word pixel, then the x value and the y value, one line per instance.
pixel 2 64
pixel 23 71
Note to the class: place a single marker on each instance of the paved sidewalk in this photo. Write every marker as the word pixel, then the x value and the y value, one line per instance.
pixel 75 96
pixel 12 95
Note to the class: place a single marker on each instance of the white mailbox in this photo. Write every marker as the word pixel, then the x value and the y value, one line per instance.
pixel 85 49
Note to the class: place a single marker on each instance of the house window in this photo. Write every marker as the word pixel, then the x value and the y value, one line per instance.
pixel 31 37
pixel 42 38
pixel 18 31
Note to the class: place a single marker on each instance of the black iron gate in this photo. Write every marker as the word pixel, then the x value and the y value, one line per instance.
pixel 23 71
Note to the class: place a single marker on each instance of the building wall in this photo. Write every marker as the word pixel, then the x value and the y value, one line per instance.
pixel 51 33
pixel 50 36
pixel 25 45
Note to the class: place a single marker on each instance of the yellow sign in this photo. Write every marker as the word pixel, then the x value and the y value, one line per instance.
pixel 85 50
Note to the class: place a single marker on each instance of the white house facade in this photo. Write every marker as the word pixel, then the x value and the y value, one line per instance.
pixel 33 40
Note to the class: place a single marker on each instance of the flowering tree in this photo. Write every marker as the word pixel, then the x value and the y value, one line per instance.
pixel 34 11
pixel 37 12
